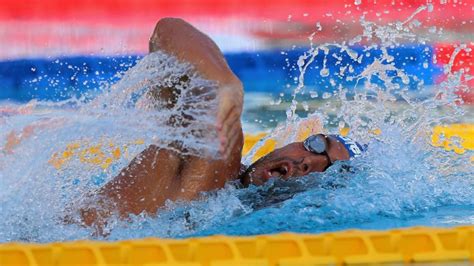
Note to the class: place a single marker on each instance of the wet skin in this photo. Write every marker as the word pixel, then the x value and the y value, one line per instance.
pixel 292 161
pixel 158 174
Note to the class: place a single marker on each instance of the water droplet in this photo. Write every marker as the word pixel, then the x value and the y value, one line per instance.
pixel 324 72
pixel 430 7
pixel 305 106
pixel 300 62
pixel 327 95
pixel 342 124
pixel 319 27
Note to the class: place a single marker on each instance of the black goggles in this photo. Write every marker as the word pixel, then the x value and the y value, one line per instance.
pixel 318 144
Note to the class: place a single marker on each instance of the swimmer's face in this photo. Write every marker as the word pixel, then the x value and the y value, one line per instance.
pixel 287 162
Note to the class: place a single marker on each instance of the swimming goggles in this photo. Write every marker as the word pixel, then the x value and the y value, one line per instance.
pixel 318 144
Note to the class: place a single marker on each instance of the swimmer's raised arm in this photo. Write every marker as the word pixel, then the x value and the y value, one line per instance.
pixel 179 38
pixel 158 174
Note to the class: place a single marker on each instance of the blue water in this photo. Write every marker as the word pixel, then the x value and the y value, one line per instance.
pixel 61 78
pixel 398 182
pixel 385 189
pixel 372 84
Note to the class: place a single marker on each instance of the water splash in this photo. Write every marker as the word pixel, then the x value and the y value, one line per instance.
pixel 399 179
pixel 54 154
pixel 401 176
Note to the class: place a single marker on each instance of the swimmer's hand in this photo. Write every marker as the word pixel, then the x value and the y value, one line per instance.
pixel 230 101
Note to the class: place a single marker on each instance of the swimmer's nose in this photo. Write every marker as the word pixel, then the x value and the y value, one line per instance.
pixel 305 167
pixel 313 164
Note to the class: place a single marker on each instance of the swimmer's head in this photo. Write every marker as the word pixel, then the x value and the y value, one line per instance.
pixel 287 162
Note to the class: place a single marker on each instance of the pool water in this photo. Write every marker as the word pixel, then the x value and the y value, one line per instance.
pixel 59 155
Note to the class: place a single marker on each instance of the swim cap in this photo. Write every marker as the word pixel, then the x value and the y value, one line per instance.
pixel 354 148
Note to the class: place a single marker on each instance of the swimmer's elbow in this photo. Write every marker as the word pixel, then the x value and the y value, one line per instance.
pixel 164 30
pixel 170 22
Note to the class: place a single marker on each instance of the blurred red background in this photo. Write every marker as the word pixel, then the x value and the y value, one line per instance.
pixel 53 27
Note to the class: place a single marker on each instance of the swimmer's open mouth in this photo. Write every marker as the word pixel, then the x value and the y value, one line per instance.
pixel 280 170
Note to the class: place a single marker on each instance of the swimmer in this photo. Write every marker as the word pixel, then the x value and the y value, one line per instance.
pixel 157 174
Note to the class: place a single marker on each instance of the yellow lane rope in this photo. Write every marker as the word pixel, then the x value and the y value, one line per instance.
pixel 456 137
pixel 410 245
